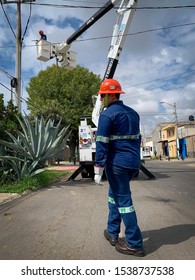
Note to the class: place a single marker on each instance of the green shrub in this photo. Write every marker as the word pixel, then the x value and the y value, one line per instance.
pixel 32 183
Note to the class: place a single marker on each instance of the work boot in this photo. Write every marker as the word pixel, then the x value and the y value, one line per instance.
pixel 113 241
pixel 123 248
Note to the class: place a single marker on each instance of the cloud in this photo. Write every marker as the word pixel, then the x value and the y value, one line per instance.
pixel 154 66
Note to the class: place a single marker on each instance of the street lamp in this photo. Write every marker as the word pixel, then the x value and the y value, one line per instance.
pixel 176 126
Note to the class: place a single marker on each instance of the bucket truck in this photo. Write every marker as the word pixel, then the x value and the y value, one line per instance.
pixel 67 58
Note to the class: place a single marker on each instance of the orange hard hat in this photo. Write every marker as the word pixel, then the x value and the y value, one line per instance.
pixel 110 86
pixel 41 32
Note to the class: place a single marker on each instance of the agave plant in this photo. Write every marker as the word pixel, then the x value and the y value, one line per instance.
pixel 5 172
pixel 36 143
pixel 17 168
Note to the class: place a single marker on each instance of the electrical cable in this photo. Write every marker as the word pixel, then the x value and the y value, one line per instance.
pixel 93 7
pixel 28 21
pixel 167 77
pixel 21 98
pixel 5 86
pixel 6 73
pixel 139 32
pixel 7 19
pixel 129 34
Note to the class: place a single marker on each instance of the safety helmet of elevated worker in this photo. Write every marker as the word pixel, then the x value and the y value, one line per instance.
pixel 110 91
pixel 43 36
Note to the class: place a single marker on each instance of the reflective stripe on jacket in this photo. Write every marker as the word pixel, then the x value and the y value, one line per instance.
pixel 118 137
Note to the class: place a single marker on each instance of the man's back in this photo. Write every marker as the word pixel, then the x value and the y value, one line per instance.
pixel 120 124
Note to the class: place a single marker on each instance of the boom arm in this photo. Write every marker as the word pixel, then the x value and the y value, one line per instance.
pixel 126 12
pixel 47 50
pixel 100 13
pixel 125 15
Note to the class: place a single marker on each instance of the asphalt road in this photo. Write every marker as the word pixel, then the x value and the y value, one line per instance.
pixel 66 220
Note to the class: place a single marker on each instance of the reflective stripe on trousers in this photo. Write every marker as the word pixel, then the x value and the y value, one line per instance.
pixel 121 205
pixel 122 209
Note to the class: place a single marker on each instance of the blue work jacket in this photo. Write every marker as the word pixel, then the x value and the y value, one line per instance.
pixel 118 137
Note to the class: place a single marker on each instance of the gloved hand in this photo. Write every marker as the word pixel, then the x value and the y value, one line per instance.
pixel 98 170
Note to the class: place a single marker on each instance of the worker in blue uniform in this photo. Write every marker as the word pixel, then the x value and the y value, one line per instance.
pixel 43 36
pixel 118 151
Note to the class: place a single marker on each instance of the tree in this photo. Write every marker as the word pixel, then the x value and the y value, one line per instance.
pixel 8 118
pixel 10 123
pixel 63 94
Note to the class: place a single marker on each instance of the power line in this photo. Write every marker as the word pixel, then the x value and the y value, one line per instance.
pixel 21 98
pixel 167 77
pixel 98 7
pixel 140 32
pixel 67 6
pixel 154 113
pixel 5 86
pixel 129 34
pixel 166 7
pixel 6 73
pixel 7 19
pixel 28 21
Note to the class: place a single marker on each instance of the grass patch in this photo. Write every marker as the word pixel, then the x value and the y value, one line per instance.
pixel 33 183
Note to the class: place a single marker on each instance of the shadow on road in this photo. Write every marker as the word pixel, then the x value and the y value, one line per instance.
pixel 169 235
pixel 158 175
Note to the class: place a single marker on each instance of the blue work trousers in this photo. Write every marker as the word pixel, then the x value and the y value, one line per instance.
pixel 121 206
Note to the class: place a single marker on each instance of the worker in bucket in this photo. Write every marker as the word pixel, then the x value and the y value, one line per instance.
pixel 118 151
pixel 43 36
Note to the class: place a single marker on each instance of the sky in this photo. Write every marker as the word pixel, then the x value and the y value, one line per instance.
pixel 157 63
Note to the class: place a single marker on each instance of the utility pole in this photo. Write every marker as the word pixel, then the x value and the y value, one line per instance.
pixel 18 56
pixel 18 50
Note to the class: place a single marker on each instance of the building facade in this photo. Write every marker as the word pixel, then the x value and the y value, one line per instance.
pixel 173 140
pixel 158 138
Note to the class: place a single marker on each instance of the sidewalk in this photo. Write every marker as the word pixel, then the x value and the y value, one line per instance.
pixel 6 197
pixel 64 166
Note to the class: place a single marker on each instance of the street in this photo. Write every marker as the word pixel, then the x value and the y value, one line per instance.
pixel 66 220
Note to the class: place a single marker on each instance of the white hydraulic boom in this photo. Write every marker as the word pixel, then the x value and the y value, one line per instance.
pixel 67 58
pixel 125 15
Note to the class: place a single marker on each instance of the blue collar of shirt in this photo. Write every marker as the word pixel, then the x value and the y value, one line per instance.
pixel 120 102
